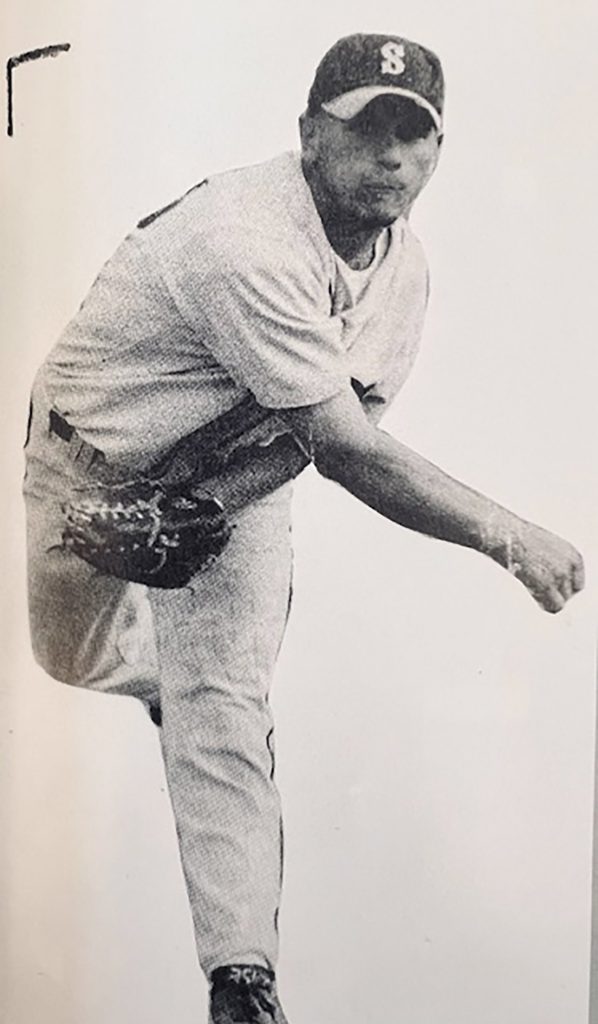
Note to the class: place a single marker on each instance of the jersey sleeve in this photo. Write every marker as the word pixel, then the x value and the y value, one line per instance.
pixel 262 308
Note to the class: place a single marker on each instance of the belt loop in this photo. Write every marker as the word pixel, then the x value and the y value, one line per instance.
pixel 77 447
pixel 84 454
pixel 78 450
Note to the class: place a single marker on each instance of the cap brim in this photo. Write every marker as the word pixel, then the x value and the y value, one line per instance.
pixel 352 103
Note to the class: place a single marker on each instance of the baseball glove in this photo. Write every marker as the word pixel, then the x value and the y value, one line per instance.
pixel 145 531
pixel 162 528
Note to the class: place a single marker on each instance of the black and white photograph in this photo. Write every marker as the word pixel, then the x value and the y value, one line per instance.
pixel 298 700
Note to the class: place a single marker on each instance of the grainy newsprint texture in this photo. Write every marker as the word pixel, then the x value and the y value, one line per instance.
pixel 235 314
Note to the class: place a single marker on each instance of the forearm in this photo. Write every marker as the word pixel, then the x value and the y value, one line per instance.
pixel 407 489
pixel 256 472
pixel 411 491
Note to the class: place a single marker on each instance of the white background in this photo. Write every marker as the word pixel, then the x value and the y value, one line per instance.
pixel 435 729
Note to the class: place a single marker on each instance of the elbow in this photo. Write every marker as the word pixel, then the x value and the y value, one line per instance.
pixel 336 460
pixel 340 441
pixel 326 465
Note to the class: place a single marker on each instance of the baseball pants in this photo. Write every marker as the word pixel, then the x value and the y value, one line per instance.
pixel 205 655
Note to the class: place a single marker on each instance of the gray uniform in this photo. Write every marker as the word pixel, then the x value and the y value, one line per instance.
pixel 232 292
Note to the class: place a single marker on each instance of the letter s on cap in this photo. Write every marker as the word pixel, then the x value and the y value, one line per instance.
pixel 393 54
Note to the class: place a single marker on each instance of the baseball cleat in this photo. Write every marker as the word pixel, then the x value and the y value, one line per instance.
pixel 244 994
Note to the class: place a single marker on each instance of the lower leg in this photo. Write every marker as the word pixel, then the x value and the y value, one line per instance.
pixel 218 641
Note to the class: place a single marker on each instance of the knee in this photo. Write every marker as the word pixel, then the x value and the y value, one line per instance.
pixel 55 640
pixel 54 656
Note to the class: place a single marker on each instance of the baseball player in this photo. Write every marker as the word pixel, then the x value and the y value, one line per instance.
pixel 291 293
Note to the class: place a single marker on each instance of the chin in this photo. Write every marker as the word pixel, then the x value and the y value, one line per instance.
pixel 385 220
pixel 380 219
pixel 381 215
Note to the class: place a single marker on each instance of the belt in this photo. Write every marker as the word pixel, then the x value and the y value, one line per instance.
pixel 201 454
pixel 79 450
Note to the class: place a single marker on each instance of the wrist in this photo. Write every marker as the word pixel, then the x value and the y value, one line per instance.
pixel 501 538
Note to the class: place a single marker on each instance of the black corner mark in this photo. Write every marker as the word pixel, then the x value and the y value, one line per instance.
pixel 22 58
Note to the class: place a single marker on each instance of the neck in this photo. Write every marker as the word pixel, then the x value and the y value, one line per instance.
pixel 350 239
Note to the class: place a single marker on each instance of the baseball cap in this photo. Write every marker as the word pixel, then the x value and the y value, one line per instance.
pixel 362 66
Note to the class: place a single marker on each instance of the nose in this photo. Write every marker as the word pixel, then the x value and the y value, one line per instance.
pixel 390 153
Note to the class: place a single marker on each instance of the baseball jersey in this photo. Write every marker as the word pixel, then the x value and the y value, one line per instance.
pixel 233 290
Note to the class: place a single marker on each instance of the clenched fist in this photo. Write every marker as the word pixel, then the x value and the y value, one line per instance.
pixel 550 567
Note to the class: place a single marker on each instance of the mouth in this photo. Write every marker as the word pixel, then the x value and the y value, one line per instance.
pixel 382 191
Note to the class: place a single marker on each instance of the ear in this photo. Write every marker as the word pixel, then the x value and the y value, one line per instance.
pixel 308 132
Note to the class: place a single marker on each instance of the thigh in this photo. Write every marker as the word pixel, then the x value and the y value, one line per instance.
pixel 87 628
pixel 223 632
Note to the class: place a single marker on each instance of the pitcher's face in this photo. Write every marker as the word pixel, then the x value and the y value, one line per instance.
pixel 372 168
